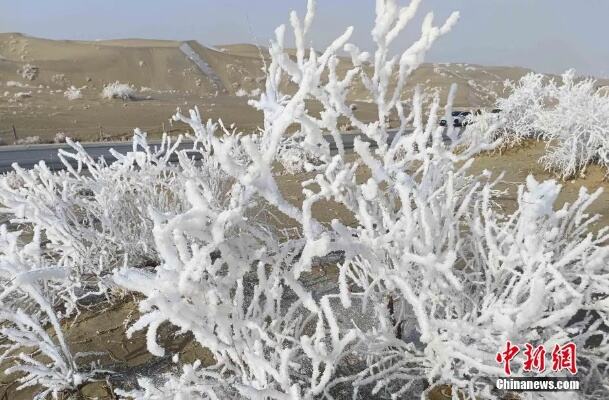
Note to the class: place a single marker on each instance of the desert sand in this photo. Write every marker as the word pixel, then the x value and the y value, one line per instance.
pixel 166 78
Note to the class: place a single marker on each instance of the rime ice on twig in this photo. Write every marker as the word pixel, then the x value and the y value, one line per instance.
pixel 440 275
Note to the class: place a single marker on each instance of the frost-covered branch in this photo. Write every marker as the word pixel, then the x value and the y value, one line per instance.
pixel 432 276
pixel 570 115
pixel 28 349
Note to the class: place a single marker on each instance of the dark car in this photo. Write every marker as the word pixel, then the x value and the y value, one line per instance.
pixel 454 114
pixel 462 119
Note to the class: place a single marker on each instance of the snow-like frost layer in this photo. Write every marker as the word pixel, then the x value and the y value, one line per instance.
pixel 117 90
pixel 73 93
pixel 571 115
pixel 442 277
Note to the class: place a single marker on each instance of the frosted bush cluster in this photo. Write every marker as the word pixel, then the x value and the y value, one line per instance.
pixel 576 127
pixel 572 116
pixel 193 383
pixel 73 93
pixel 22 95
pixel 117 90
pixel 28 72
pixel 60 137
pixel 94 217
pixel 431 278
pixel 520 109
pixel 30 284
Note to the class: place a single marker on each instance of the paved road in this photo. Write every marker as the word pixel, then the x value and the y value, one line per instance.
pixel 28 155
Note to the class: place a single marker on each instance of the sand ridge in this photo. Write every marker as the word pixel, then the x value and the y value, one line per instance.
pixel 165 79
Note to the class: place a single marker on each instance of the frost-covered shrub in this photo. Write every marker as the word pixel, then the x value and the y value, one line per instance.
pixel 295 158
pixel 117 90
pixel 60 137
pixel 232 273
pixel 571 115
pixel 247 303
pixel 22 95
pixel 31 281
pixel 59 79
pixel 193 384
pixel 511 278
pixel 432 277
pixel 484 127
pixel 73 93
pixel 427 235
pixel 520 110
pixel 28 71
pixel 94 215
pixel 576 127
pixel 24 334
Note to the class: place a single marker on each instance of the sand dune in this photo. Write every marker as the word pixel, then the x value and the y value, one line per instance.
pixel 62 63
pixel 218 79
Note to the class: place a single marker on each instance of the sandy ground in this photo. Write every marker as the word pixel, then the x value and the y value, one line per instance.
pixel 516 164
pixel 101 328
pixel 165 79
pixel 520 162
